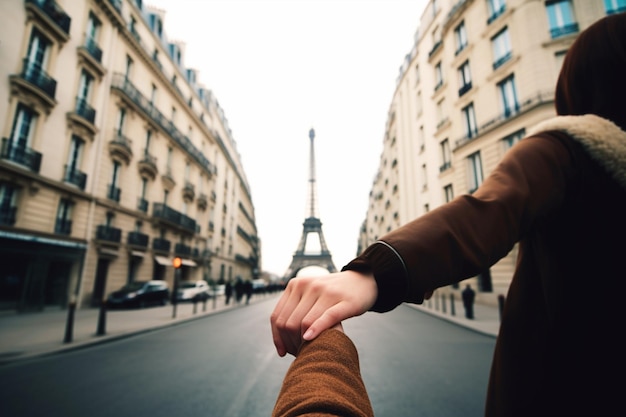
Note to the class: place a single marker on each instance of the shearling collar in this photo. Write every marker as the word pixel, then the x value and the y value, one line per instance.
pixel 602 139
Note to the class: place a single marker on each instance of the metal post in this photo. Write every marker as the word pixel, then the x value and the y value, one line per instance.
pixel 102 319
pixel 69 325
pixel 452 312
pixel 500 305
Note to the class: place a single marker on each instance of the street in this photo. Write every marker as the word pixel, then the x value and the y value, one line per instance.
pixel 225 365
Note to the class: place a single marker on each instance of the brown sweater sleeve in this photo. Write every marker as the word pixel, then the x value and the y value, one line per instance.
pixel 324 380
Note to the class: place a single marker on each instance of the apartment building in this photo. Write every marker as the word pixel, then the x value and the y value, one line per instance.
pixel 114 158
pixel 480 74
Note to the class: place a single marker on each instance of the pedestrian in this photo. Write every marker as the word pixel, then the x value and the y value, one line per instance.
pixel 238 290
pixel 560 194
pixel 248 290
pixel 468 295
pixel 228 291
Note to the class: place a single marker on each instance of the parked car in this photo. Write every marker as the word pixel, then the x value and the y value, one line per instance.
pixel 193 291
pixel 140 294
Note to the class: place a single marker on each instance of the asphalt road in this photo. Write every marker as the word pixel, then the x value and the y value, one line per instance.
pixel 225 366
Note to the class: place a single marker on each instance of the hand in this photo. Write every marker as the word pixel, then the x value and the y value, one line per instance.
pixel 313 304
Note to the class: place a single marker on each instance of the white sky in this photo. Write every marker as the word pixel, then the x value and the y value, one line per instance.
pixel 280 67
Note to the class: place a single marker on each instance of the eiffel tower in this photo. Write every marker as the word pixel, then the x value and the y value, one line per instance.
pixel 312 225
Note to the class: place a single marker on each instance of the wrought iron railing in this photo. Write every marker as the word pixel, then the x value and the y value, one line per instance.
pixel 20 154
pixel 74 176
pixel 54 12
pixel 34 74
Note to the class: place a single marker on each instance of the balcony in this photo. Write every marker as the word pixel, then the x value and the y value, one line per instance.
pixel 142 205
pixel 113 193
pixel 500 61
pixel 138 239
pixel 75 177
pixel 445 166
pixel 34 81
pixel 465 88
pixel 165 213
pixel 108 234
pixel 20 155
pixel 90 54
pixel 203 201
pixel 52 15
pixel 189 192
pixel 120 146
pixel 7 215
pixel 435 48
pixel 63 227
pixel 162 245
pixel 564 30
pixel 496 14
pixel 130 92
pixel 148 166
pixel 182 249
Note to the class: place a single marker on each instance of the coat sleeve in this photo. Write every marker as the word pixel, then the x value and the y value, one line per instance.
pixel 462 238
pixel 324 380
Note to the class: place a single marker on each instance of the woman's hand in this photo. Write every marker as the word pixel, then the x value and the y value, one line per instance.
pixel 313 304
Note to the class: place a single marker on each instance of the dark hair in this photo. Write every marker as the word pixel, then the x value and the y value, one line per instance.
pixel 593 76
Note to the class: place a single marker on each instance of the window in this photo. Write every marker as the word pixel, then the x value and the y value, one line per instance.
pixel 446 160
pixel 465 79
pixel 114 190
pixel 441 114
pixel 508 96
pixel 421 139
pixel 22 130
pixel 121 119
pixel 495 9
pixel 148 137
pixel 419 104
pixel 561 18
pixel 460 36
pixel 63 223
pixel 153 95
pixel 143 203
pixel 93 28
pixel 417 74
pixel 438 76
pixel 38 53
pixel 8 204
pixel 501 48
pixel 475 174
pixel 513 138
pixel 84 97
pixel 72 169
pixel 448 193
pixel 424 177
pixel 615 6
pixel 469 117
pixel 129 67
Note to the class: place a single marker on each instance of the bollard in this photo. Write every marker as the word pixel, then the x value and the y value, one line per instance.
pixel 452 312
pixel 69 325
pixel 500 305
pixel 102 319
pixel 443 303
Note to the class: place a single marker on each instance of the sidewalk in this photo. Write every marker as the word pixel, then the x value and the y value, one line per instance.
pixel 486 317
pixel 30 335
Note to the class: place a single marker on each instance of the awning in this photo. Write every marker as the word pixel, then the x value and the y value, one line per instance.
pixel 188 262
pixel 137 254
pixel 163 260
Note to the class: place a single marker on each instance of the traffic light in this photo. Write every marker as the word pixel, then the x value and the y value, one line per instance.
pixel 177 262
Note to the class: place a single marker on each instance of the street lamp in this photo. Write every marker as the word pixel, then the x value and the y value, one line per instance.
pixel 177 262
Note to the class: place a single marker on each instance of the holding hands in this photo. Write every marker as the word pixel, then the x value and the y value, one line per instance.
pixel 310 305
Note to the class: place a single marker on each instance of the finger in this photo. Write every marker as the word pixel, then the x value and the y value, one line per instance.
pixel 327 319
pixel 275 319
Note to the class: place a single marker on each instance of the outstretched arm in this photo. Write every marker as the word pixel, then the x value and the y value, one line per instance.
pixel 310 305
pixel 324 379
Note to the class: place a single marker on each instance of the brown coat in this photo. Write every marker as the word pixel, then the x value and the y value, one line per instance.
pixel 559 193
pixel 324 380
